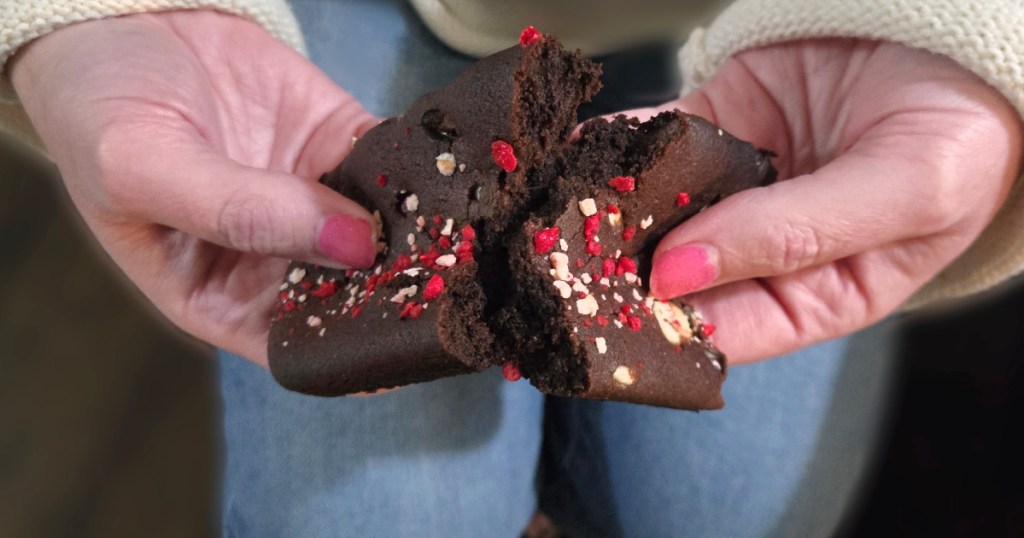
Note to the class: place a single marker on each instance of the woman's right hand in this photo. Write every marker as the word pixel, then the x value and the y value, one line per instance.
pixel 191 142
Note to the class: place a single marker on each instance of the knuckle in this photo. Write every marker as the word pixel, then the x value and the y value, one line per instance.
pixel 245 222
pixel 792 246
pixel 120 180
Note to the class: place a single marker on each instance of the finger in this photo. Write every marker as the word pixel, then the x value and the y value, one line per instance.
pixel 190 188
pixel 862 200
pixel 762 318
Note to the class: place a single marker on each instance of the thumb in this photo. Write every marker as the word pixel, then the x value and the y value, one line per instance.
pixel 249 209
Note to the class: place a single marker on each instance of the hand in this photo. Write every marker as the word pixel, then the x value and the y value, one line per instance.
pixel 892 161
pixel 191 143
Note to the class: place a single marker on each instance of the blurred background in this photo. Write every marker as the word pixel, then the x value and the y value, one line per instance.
pixel 109 417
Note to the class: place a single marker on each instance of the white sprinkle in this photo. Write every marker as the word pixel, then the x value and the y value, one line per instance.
pixel 291 294
pixel 602 345
pixel 284 286
pixel 296 275
pixel 617 297
pixel 412 271
pixel 447 260
pixel 578 286
pixel 319 280
pixel 576 330
pixel 563 289
pixel 605 282
pixel 404 294
pixel 587 306
pixel 618 253
pixel 719 132
pixel 411 203
pixel 324 330
pixel 615 219
pixel 448 225
pixel 560 264
pixel 618 324
pixel 585 277
pixel 716 364
pixel 562 244
pixel 420 223
pixel 384 315
pixel 698 366
pixel 630 278
pixel 624 375
pixel 411 239
pixel 313 321
pixel 636 295
pixel 354 140
pixel 588 207
pixel 462 167
pixel 445 164
pixel 646 223
pixel 378 269
pixel 302 298
pixel 604 297
pixel 284 344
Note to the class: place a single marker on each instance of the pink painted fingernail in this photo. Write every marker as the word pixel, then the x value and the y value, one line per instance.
pixel 681 270
pixel 348 240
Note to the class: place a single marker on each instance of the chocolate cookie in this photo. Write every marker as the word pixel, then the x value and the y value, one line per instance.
pixel 504 244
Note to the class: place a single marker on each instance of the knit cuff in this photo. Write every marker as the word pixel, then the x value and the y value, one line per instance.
pixel 983 37
pixel 26 20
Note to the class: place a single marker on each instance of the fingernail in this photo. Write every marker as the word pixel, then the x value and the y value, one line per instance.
pixel 348 240
pixel 681 270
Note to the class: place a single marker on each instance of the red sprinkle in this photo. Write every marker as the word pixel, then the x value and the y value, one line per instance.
pixel 602 321
pixel 626 309
pixel 623 183
pixel 511 372
pixel 325 290
pixel 411 310
pixel 382 180
pixel 625 265
pixel 709 329
pixel 290 305
pixel 591 225
pixel 629 233
pixel 468 233
pixel 582 295
pixel 306 285
pixel 437 220
pixel 356 311
pixel 504 155
pixel 682 199
pixel 429 257
pixel 544 240
pixel 634 323
pixel 607 267
pixel 444 242
pixel 587 322
pixel 622 318
pixel 433 288
pixel 579 263
pixel 593 248
pixel 614 209
pixel 528 36
pixel 434 233
pixel 646 309
pixel 464 252
pixel 402 263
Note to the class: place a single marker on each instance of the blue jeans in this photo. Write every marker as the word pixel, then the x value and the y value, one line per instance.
pixel 475 455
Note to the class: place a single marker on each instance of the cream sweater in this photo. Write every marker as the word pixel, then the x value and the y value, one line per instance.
pixel 985 37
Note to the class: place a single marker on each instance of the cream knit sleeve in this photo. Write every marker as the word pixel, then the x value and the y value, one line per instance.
pixel 985 37
pixel 21 21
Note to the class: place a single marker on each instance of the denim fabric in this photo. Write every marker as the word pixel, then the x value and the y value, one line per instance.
pixel 458 457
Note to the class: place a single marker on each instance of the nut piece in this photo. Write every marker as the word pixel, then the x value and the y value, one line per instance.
pixel 411 203
pixel 560 263
pixel 296 275
pixel 563 289
pixel 646 223
pixel 445 164
pixel 623 374
pixel 588 207
pixel 587 306
pixel 674 323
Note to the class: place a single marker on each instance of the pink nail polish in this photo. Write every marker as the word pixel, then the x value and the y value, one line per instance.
pixel 681 270
pixel 348 240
